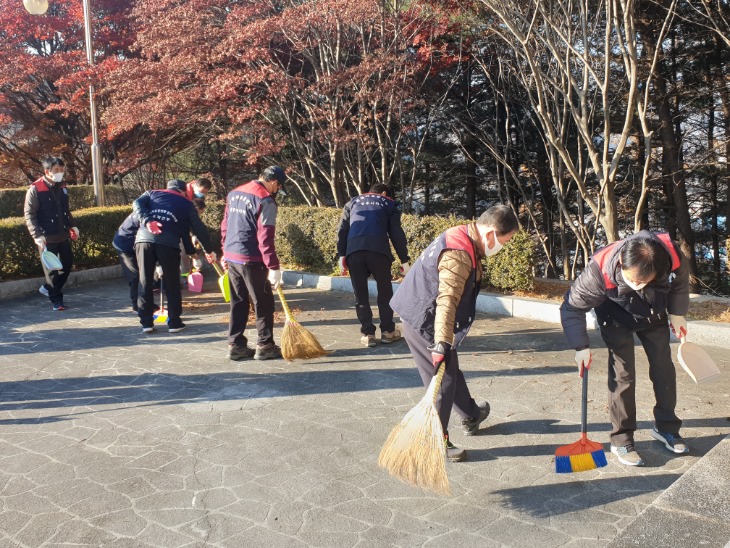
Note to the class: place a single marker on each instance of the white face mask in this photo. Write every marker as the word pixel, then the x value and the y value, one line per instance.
pixel 635 287
pixel 58 177
pixel 489 251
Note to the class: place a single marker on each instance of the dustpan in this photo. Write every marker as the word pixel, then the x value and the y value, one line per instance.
pixel 223 282
pixel 195 282
pixel 51 260
pixel 696 362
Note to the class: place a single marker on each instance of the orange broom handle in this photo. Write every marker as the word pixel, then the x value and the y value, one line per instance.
pixel 283 304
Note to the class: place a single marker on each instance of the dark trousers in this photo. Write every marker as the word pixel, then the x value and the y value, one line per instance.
pixel 55 279
pixel 454 391
pixel 250 281
pixel 622 379
pixel 130 269
pixel 362 264
pixel 148 255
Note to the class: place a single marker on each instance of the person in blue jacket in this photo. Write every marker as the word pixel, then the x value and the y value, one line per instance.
pixel 368 224
pixel 165 216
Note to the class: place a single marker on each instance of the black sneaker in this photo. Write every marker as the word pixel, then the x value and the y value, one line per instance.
pixel 237 353
pixel 471 426
pixel 179 327
pixel 267 352
pixel 148 329
pixel 59 306
pixel 453 453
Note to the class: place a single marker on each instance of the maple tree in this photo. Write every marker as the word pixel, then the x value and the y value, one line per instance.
pixel 44 84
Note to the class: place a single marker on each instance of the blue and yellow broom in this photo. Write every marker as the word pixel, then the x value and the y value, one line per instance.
pixel 584 454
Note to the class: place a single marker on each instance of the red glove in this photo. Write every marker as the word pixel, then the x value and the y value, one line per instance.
pixel 438 353
pixel 154 227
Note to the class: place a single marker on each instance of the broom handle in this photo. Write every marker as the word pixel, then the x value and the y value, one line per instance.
pixel 217 268
pixel 584 403
pixel 283 303
pixel 436 382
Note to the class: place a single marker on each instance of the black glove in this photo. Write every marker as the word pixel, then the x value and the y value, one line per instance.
pixel 438 353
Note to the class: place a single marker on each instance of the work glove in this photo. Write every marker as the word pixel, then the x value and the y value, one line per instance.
pixel 275 278
pixel 583 359
pixel 74 233
pixel 678 326
pixel 198 264
pixel 343 266
pixel 404 268
pixel 154 227
pixel 158 271
pixel 40 241
pixel 211 257
pixel 223 263
pixel 438 353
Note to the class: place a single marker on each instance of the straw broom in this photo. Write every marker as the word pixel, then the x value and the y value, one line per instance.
pixel 415 451
pixel 297 343
pixel 584 454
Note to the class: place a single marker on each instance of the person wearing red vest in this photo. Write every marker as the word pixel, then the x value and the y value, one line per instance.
pixel 50 223
pixel 436 302
pixel 637 286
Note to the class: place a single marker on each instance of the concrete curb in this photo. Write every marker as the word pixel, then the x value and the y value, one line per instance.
pixel 17 288
pixel 701 332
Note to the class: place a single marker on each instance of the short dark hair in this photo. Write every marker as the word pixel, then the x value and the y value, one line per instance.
pixel 51 161
pixel 646 256
pixel 501 218
pixel 379 188
pixel 203 182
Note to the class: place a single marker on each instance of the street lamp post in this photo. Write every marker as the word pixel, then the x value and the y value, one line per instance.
pixel 39 7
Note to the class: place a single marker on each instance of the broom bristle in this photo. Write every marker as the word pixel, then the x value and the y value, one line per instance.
pixel 580 456
pixel 297 343
pixel 415 451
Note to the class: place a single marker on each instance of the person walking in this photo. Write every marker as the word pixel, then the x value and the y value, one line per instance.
pixel 165 218
pixel 437 303
pixel 368 224
pixel 50 223
pixel 637 286
pixel 249 253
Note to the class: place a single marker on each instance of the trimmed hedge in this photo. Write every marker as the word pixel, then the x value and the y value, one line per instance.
pixel 306 238
pixel 97 226
pixel 80 197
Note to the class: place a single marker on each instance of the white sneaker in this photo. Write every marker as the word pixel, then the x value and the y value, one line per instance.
pixel 43 291
pixel 148 330
pixel 627 455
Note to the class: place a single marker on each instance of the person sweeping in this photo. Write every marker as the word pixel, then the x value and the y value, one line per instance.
pixel 437 303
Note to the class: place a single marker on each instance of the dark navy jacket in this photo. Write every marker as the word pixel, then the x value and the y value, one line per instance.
pixel 47 212
pixel 366 223
pixel 601 286
pixel 415 299
pixel 175 213
pixel 249 225
pixel 127 233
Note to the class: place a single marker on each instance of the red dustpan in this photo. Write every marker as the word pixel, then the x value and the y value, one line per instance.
pixel 195 282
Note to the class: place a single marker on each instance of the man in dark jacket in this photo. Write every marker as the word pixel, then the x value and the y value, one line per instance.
pixel 368 224
pixel 636 286
pixel 437 304
pixel 249 250
pixel 165 217
pixel 51 224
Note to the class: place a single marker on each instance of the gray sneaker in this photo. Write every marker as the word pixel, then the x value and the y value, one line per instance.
pixel 674 442
pixel 237 353
pixel 453 453
pixel 627 455
pixel 368 340
pixel 268 352
pixel 43 290
pixel 387 337
pixel 471 426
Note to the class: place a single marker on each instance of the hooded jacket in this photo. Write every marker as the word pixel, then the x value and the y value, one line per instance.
pixel 601 286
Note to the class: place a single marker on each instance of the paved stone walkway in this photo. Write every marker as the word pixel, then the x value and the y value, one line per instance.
pixel 113 438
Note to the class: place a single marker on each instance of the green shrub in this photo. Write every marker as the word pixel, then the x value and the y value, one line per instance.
pixel 97 226
pixel 512 268
pixel 80 197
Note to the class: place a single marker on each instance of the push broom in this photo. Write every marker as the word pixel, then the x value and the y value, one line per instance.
pixel 415 451
pixel 584 454
pixel 297 343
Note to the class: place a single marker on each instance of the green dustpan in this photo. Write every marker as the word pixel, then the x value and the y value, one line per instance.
pixel 223 283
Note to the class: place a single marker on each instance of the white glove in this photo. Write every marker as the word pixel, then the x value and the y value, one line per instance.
pixel 74 233
pixel 678 326
pixel 404 268
pixel 583 358
pixel 211 257
pixel 198 264
pixel 342 262
pixel 275 278
pixel 40 241
pixel 158 271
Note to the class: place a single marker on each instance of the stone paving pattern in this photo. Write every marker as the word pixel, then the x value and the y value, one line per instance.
pixel 109 437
